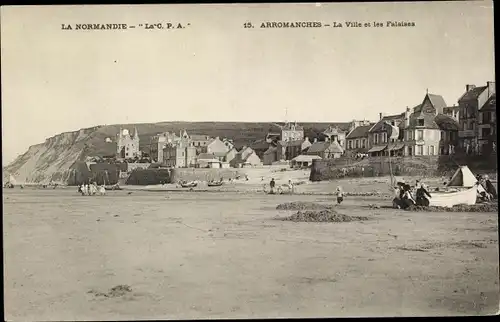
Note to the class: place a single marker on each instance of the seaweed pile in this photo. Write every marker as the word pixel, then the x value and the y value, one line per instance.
pixel 116 291
pixel 326 215
pixel 486 207
pixel 300 205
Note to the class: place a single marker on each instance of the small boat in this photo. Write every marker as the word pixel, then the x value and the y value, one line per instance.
pixel 450 199
pixel 215 183
pixel 191 184
pixel 113 187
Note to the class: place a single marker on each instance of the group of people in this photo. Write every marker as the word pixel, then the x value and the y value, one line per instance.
pixel 489 193
pixel 273 190
pixel 407 196
pixel 91 189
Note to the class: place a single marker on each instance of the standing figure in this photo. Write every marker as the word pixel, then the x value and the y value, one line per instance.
pixel 290 186
pixel 340 195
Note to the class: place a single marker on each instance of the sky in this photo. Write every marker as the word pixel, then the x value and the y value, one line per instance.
pixel 56 80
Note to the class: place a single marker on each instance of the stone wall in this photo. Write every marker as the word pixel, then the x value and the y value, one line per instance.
pixel 401 166
pixel 145 177
pixel 133 166
pixel 201 174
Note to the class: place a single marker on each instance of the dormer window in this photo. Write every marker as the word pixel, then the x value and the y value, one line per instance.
pixel 420 122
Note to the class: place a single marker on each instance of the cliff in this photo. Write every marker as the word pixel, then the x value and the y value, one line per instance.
pixel 59 157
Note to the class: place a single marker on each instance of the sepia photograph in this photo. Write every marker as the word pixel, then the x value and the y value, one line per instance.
pixel 244 161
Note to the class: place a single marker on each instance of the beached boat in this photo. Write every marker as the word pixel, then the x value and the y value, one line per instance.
pixel 215 183
pixel 113 187
pixel 191 184
pixel 450 199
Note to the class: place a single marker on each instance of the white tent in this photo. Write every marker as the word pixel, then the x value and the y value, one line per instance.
pixel 12 179
pixel 463 177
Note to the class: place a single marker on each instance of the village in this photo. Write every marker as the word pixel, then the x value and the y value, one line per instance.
pixel 431 128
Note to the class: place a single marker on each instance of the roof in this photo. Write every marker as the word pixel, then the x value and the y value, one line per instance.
pixel 206 156
pixel 379 126
pixel 305 158
pixel 333 130
pixel 360 132
pixel 377 148
pixel 249 155
pixel 472 94
pixel 288 126
pixel 437 101
pixel 395 146
pixel 318 147
pixel 335 147
pixel 491 104
pixel 445 122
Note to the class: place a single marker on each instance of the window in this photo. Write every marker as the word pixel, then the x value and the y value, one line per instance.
pixel 363 143
pixel 420 122
pixel 486 117
pixel 357 144
pixel 410 135
pixel 464 126
pixel 443 135
pixel 392 123
pixel 420 150
pixel 470 126
pixel 420 135
pixel 349 144
pixel 375 138
pixel 410 151
pixel 384 137
pixel 431 150
pixel 182 153
pixel 485 132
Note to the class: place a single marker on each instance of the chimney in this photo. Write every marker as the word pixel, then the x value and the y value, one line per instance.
pixel 491 88
pixel 381 115
pixel 407 117
pixel 468 87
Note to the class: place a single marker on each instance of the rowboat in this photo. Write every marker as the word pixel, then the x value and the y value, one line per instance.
pixel 113 187
pixel 191 184
pixel 215 183
pixel 450 199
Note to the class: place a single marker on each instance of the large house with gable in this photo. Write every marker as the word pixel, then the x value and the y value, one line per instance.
pixel 427 130
pixel 471 105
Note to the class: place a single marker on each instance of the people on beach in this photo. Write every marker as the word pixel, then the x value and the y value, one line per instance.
pixel 290 186
pixel 488 186
pixel 272 184
pixel 340 195
pixel 405 198
pixel 423 196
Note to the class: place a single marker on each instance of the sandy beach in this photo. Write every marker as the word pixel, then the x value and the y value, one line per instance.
pixel 188 255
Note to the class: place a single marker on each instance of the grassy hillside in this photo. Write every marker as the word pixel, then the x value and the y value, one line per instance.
pixel 241 133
